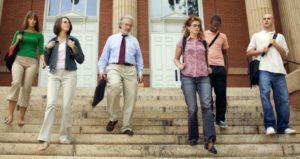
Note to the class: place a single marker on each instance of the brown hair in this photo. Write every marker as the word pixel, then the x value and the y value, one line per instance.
pixel 188 23
pixel 57 26
pixel 31 14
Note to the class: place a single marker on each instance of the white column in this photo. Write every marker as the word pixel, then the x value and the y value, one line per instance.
pixel 290 22
pixel 255 9
pixel 121 8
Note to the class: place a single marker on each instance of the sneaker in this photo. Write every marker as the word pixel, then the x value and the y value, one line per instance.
pixel 65 140
pixel 222 124
pixel 289 131
pixel 193 142
pixel 270 131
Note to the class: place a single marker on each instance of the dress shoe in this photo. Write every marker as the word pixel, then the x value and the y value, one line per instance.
pixel 210 148
pixel 111 125
pixel 128 132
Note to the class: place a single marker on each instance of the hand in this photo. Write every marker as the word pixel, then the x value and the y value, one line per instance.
pixel 181 66
pixel 50 45
pixel 43 65
pixel 209 70
pixel 19 38
pixel 71 43
pixel 264 50
pixel 101 76
pixel 140 79
pixel 273 42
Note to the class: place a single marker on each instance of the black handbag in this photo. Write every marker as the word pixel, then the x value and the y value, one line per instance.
pixel 11 55
pixel 253 68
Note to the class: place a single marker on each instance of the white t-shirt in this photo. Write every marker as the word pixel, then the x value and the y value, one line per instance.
pixel 61 56
pixel 272 61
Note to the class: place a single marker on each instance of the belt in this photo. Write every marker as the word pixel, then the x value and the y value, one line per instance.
pixel 126 64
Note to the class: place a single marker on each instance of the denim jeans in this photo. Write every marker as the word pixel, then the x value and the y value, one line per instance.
pixel 277 82
pixel 218 80
pixel 201 85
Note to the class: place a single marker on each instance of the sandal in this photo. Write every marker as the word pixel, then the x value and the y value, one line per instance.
pixel 210 147
pixel 8 120
pixel 21 123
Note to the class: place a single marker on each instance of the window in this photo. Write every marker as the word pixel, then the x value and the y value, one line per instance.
pixel 81 7
pixel 161 8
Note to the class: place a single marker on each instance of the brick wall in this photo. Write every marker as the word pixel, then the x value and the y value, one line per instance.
pixel 232 12
pixel 13 14
pixel 143 34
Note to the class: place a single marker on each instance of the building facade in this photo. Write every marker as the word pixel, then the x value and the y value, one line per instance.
pixel 158 27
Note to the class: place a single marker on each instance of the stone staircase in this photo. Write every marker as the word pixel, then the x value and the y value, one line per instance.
pixel 160 126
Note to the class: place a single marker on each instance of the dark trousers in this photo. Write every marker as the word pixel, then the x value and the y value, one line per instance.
pixel 218 80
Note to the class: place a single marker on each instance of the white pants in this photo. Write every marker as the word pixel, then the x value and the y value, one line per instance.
pixel 66 79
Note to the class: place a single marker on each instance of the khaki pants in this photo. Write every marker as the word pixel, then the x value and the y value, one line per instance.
pixel 67 80
pixel 23 72
pixel 118 77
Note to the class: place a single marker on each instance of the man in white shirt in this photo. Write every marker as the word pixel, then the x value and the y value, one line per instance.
pixel 272 75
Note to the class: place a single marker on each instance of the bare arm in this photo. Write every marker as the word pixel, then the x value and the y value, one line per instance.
pixel 225 59
pixel 177 58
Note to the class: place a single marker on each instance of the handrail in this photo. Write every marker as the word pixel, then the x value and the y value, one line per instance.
pixel 293 62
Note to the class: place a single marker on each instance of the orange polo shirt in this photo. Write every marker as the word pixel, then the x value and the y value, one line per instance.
pixel 215 55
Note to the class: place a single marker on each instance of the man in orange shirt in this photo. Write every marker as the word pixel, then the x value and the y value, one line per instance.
pixel 217 59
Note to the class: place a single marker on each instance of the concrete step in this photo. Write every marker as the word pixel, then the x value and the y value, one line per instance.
pixel 151 122
pixel 143 130
pixel 83 150
pixel 152 115
pixel 79 102
pixel 120 139
pixel 145 91
pixel 77 157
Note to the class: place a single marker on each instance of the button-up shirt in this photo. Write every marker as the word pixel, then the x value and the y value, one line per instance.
pixel 272 61
pixel 194 58
pixel 111 51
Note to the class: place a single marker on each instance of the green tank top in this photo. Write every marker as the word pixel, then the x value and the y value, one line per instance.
pixel 30 44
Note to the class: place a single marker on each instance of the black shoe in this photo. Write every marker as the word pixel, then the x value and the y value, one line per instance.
pixel 111 125
pixel 212 149
pixel 193 142
pixel 128 132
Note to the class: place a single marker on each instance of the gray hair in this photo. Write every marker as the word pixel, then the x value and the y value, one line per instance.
pixel 129 17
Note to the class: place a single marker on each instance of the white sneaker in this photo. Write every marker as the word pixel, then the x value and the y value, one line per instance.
pixel 270 131
pixel 289 131
pixel 222 124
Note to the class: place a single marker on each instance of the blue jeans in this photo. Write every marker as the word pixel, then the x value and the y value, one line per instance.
pixel 201 85
pixel 277 82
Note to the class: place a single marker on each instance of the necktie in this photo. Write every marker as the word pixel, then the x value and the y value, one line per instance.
pixel 122 50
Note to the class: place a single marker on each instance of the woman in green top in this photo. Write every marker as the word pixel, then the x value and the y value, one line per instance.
pixel 25 67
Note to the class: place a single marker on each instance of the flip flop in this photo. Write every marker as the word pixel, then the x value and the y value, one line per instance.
pixel 21 123
pixel 7 121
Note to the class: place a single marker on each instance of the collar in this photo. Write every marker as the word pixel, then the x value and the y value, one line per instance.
pixel 268 32
pixel 190 38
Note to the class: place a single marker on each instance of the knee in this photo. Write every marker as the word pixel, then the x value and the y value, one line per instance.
pixel 192 111
pixel 16 84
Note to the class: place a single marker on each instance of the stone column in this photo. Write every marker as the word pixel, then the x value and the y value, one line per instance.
pixel 121 8
pixel 290 21
pixel 1 7
pixel 255 9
